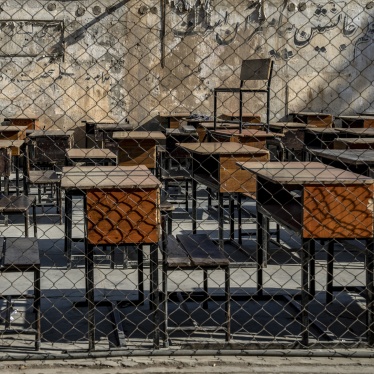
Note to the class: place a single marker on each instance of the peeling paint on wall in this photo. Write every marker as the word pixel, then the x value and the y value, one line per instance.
pixel 119 63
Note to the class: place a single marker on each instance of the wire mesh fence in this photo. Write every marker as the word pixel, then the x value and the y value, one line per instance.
pixel 185 175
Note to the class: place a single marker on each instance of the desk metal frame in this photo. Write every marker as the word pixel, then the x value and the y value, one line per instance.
pixel 284 176
pixel 89 262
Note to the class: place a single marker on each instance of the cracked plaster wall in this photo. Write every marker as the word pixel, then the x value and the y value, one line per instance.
pixel 65 61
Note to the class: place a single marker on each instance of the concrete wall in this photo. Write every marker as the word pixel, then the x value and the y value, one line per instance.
pixel 65 61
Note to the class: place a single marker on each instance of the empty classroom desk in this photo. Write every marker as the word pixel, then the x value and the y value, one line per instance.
pixel 315 201
pixel 90 156
pixel 353 143
pixel 356 121
pixel 17 152
pixel 121 207
pixel 138 147
pixel 214 165
pixel 293 139
pixel 318 138
pixel 173 120
pixel 97 133
pixel 247 117
pixel 313 118
pixel 47 147
pixel 252 137
pixel 105 131
pixel 360 161
pixel 367 132
pixel 30 123
pixel 13 132
pixel 205 126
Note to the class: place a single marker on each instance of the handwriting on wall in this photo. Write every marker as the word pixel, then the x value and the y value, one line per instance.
pixel 298 27
pixel 25 38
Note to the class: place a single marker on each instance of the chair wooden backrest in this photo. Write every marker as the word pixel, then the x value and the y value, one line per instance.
pixel 256 70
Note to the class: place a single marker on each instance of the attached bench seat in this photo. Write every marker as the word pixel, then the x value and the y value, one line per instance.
pixel 21 255
pixel 21 204
pixel 195 252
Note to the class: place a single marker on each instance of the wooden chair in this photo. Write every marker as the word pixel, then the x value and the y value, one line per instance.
pixel 11 205
pixel 252 71
pixel 21 255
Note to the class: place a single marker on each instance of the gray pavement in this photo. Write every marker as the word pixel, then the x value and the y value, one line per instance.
pixel 197 365
pixel 255 323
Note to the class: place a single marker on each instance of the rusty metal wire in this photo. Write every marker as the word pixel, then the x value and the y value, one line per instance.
pixel 141 132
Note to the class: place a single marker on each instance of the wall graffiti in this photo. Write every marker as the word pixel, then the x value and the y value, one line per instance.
pixel 25 38
pixel 322 18
pixel 366 40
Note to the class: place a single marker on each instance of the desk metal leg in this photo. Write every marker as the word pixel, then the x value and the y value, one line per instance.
pixel 68 227
pixel 164 294
pixel 305 259
pixel 221 243
pixel 16 162
pixel 90 295
pixel 312 268
pixel 155 295
pixel 27 223
pixel 90 290
pixel 37 297
pixel 194 206
pixel 240 221
pixel 370 290
pixel 266 241
pixel 330 271
pixel 260 253
pixel 232 218
pixel 140 275
pixel 227 303
pixel 34 219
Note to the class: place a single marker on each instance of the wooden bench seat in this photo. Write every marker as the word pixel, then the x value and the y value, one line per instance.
pixel 21 255
pixel 20 205
pixel 195 252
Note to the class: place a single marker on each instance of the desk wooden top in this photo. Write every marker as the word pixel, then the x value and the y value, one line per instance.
pixel 290 125
pixel 175 115
pixel 12 128
pixel 138 135
pixel 226 148
pixel 107 126
pixel 234 125
pixel 171 132
pixel 368 114
pixel 354 118
pixel 367 131
pixel 347 156
pixel 50 133
pixel 246 133
pixel 91 153
pixel 321 130
pixel 350 141
pixel 11 143
pixel 209 122
pixel 107 177
pixel 312 114
pixel 300 173
pixel 236 114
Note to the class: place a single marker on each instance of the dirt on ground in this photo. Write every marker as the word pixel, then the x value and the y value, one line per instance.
pixel 195 365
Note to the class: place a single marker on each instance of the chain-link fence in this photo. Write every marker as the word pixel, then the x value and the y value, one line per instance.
pixel 185 175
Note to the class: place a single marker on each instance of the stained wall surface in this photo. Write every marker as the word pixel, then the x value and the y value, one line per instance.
pixel 66 61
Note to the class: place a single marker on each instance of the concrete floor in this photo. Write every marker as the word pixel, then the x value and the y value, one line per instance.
pixel 268 323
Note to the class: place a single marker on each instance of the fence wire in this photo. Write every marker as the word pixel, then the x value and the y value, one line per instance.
pixel 185 175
